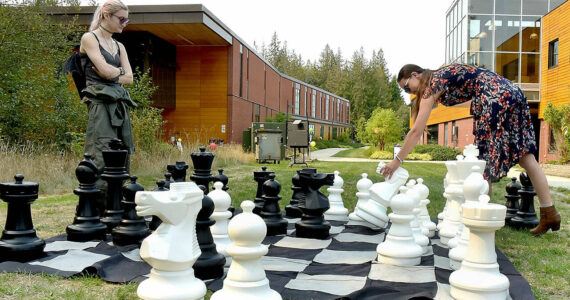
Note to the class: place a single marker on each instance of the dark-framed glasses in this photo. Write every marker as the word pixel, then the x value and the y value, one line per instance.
pixel 406 87
pixel 122 20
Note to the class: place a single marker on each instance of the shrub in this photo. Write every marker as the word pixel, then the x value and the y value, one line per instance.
pixel 380 154
pixel 559 120
pixel 419 156
pixel 437 152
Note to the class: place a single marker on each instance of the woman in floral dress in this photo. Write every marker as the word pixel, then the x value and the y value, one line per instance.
pixel 502 124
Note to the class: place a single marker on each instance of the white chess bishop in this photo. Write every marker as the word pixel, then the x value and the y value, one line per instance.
pixel 172 248
pixel 400 248
pixel 479 277
pixel 363 185
pixel 221 215
pixel 337 211
pixel 246 277
pixel 374 210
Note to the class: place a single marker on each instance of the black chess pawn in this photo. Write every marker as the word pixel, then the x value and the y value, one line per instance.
pixel 115 173
pixel 202 162
pixel 526 215
pixel 178 171
pixel 167 180
pixel 224 179
pixel 513 198
pixel 156 221
pixel 19 241
pixel 210 264
pixel 271 213
pixel 87 224
pixel 260 177
pixel 313 204
pixel 292 210
pixel 132 229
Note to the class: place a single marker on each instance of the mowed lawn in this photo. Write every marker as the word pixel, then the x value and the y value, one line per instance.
pixel 544 261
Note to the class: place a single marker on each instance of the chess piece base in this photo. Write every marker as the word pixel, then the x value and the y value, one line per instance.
pixel 246 290
pixel 172 285
pixel 479 281
pixel 378 220
pixel 23 248
pixel 524 221
pixel 276 228
pixel 130 236
pixel 209 267
pixel 86 232
pixel 312 231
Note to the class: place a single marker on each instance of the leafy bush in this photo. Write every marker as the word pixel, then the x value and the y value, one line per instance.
pixel 437 152
pixel 419 156
pixel 380 154
pixel 280 117
pixel 559 120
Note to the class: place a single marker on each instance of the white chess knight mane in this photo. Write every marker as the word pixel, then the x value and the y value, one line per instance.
pixel 171 247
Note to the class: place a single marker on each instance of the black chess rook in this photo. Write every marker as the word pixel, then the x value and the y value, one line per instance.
pixel 202 162
pixel 313 204
pixel 114 173
pixel 513 199
pixel 526 215
pixel 271 213
pixel 132 229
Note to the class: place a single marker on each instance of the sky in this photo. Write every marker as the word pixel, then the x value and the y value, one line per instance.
pixel 408 31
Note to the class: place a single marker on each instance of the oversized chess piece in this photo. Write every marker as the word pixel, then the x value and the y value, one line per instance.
pixel 374 210
pixel 223 178
pixel 114 173
pixel 425 220
pixel 210 264
pixel 473 187
pixel 419 237
pixel 260 177
pixel 246 277
pixel 178 171
pixel 132 229
pixel 479 276
pixel 19 241
pixel 167 180
pixel 337 211
pixel 526 215
pixel 202 162
pixel 271 213
pixel 292 210
pixel 313 204
pixel 87 223
pixel 221 215
pixel 399 248
pixel 363 186
pixel 453 193
pixel 513 199
pixel 155 221
pixel 173 248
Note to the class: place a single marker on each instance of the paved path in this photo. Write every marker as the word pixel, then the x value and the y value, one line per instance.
pixel 327 155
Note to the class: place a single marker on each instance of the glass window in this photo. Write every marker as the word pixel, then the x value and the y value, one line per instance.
pixel 534 7
pixel 256 113
pixel 464 35
pixel 448 20
pixel 553 54
pixel 445 133
pixel 481 59
pixel 465 4
pixel 456 13
pixel 327 108
pixel 432 131
pixel 555 3
pixel 314 105
pixel 507 64
pixel 530 34
pixel 453 16
pixel 453 51
pixel 481 6
pixel 297 100
pixel 480 34
pixel 532 95
pixel 447 49
pixel 507 33
pixel 338 110
pixel 529 68
pixel 508 7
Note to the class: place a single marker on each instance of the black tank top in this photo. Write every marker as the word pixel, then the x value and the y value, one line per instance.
pixel 92 78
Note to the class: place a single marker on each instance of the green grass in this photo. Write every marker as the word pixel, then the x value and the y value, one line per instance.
pixel 357 153
pixel 544 261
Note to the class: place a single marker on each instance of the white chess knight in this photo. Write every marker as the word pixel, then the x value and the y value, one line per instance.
pixel 246 277
pixel 172 248
pixel 374 210
pixel 425 220
pixel 221 215
pixel 400 248
pixel 337 211
pixel 479 277
pixel 363 185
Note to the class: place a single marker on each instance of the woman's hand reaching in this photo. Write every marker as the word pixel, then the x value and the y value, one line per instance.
pixel 388 170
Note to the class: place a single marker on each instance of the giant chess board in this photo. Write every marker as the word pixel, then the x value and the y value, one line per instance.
pixel 342 266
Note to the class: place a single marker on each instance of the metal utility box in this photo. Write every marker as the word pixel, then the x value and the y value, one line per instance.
pixel 268 125
pixel 298 134
pixel 268 144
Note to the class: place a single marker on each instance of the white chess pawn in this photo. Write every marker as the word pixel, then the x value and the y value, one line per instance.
pixel 454 192
pixel 221 215
pixel 337 211
pixel 400 248
pixel 246 277
pixel 419 237
pixel 172 248
pixel 479 276
pixel 363 185
pixel 425 220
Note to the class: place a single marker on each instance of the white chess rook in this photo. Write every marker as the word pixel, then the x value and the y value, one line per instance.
pixel 363 185
pixel 400 248
pixel 221 215
pixel 337 211
pixel 172 248
pixel 246 277
pixel 479 277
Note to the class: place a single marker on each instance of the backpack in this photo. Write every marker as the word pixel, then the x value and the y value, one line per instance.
pixel 74 65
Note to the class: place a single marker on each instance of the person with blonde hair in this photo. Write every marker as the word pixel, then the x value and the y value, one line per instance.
pixel 502 124
pixel 107 68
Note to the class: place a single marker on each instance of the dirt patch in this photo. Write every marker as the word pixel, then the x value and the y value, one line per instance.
pixel 556 170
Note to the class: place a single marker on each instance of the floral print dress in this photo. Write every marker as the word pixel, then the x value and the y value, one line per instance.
pixel 502 123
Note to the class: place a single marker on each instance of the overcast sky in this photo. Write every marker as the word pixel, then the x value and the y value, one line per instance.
pixel 408 31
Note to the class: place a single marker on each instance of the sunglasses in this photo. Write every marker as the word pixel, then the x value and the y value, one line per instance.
pixel 122 20
pixel 406 87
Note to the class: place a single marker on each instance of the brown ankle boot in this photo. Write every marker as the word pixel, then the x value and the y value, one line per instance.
pixel 549 219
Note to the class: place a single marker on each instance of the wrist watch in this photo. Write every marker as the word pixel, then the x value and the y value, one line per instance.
pixel 122 70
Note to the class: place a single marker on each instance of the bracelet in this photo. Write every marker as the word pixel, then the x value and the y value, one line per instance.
pixel 398 158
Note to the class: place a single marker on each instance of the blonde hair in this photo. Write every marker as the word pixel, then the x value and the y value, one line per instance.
pixel 109 7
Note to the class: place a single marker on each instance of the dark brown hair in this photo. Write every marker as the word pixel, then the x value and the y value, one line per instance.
pixel 425 78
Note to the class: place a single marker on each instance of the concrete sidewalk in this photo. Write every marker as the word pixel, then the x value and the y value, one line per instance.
pixel 327 155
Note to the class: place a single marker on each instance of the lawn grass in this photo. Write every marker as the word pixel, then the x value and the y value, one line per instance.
pixel 358 153
pixel 544 261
